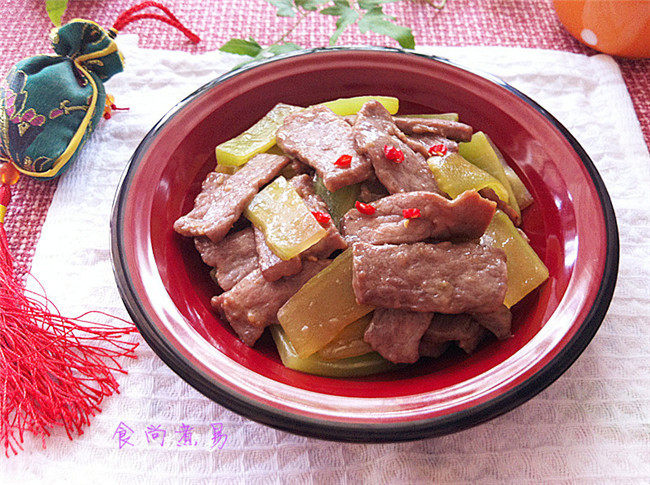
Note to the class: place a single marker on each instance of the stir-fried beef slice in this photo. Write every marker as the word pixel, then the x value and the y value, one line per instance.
pixel 234 257
pixel 253 303
pixel 421 140
pixel 490 194
pixel 318 137
pixel 295 168
pixel 208 190
pixel 332 240
pixel 372 190
pixel 422 143
pixel 396 334
pixel 373 130
pixel 444 277
pixel 470 343
pixel 210 252
pixel 460 328
pixel 445 128
pixel 432 349
pixel 271 265
pixel 465 217
pixel 226 202
pixel 498 322
pixel 305 188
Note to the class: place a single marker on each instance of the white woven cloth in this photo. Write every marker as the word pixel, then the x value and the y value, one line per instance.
pixel 591 426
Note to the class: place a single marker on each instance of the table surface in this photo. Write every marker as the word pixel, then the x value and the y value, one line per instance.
pixel 513 23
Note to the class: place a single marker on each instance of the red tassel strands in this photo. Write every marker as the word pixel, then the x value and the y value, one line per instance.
pixel 54 371
pixel 131 15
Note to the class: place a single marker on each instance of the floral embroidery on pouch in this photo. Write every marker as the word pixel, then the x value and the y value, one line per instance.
pixel 28 119
pixel 65 109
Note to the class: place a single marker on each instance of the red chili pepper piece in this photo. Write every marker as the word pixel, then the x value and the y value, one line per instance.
pixel 412 213
pixel 343 161
pixel 364 208
pixel 393 154
pixel 322 218
pixel 440 150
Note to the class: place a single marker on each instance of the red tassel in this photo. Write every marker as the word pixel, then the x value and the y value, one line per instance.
pixel 54 371
pixel 129 16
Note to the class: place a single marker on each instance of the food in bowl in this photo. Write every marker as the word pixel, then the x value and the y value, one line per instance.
pixel 363 239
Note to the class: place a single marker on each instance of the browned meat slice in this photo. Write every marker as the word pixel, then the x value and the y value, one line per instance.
pixel 498 322
pixel 396 334
pixel 318 137
pixel 373 130
pixel 448 129
pixel 422 277
pixel 221 205
pixel 465 217
pixel 234 257
pixel 372 190
pixel 295 168
pixel 445 328
pixel 271 265
pixel 422 143
pixel 208 190
pixel 429 348
pixel 253 303
pixel 332 240
pixel 490 194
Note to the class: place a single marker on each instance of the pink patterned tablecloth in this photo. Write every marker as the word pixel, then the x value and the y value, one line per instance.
pixel 513 23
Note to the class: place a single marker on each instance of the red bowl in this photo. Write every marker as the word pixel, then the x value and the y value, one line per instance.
pixel 167 289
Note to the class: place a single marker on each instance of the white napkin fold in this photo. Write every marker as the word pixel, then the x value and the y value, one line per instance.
pixel 592 425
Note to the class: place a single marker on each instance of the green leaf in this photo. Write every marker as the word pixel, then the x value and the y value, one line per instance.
pixel 310 5
pixel 286 8
pixel 339 7
pixel 331 11
pixel 376 21
pixel 282 48
pixel 347 18
pixel 55 10
pixel 371 17
pixel 242 47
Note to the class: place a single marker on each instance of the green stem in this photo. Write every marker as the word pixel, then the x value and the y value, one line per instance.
pixel 303 15
pixel 436 5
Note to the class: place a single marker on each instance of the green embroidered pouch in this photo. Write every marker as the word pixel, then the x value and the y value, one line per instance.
pixel 50 104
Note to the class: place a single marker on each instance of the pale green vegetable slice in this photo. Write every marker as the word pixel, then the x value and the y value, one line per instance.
pixel 479 152
pixel 526 271
pixel 438 116
pixel 454 175
pixel 362 365
pixel 348 342
pixel 275 150
pixel 257 139
pixel 325 305
pixel 282 215
pixel 522 195
pixel 351 106
pixel 339 202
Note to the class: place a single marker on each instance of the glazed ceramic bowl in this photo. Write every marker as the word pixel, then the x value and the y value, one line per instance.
pixel 167 289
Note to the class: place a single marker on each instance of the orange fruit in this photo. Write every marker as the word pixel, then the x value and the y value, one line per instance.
pixel 616 27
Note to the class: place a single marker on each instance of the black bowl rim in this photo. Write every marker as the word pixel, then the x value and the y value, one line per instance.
pixel 362 432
